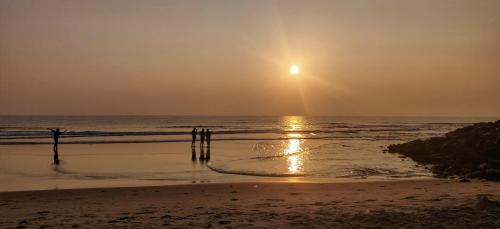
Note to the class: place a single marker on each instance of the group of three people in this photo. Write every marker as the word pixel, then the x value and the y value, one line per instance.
pixel 204 135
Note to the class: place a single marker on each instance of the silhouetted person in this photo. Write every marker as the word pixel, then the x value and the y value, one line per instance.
pixel 193 153
pixel 55 134
pixel 208 134
pixel 202 154
pixel 194 133
pixel 207 157
pixel 202 137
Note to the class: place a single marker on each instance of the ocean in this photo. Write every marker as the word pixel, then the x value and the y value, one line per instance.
pixel 116 151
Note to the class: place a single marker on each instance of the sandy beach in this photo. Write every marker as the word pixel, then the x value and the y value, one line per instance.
pixel 391 204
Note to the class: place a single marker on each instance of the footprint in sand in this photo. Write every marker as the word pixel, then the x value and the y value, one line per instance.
pixel 223 222
pixel 294 217
pixel 319 203
pixel 88 216
pixel 166 216
pixel 145 212
pixel 276 200
pixel 22 222
pixel 262 205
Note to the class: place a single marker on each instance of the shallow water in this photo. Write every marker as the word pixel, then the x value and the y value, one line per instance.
pixel 157 150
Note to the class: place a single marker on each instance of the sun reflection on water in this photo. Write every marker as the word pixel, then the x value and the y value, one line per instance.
pixel 294 164
pixel 295 161
pixel 293 123
pixel 294 145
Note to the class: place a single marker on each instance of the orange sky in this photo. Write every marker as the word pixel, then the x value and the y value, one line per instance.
pixel 368 57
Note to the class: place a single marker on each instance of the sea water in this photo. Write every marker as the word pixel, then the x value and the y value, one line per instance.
pixel 110 151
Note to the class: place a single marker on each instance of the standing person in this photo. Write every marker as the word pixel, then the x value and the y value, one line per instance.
pixel 208 134
pixel 202 137
pixel 55 134
pixel 193 134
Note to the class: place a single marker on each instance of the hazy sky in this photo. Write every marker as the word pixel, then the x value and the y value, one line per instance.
pixel 232 57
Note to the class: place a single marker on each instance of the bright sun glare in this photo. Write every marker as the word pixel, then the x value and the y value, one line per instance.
pixel 294 70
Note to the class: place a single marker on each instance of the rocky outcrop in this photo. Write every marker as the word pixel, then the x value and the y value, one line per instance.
pixel 472 151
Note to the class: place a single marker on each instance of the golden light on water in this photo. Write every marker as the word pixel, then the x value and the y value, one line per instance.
pixel 294 135
pixel 294 160
pixel 293 146
pixel 294 164
pixel 293 123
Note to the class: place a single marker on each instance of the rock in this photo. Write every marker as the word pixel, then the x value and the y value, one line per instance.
pixel 468 151
pixel 23 222
pixel 474 174
pixel 463 179
pixel 492 174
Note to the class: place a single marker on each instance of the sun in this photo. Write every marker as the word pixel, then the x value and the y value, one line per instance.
pixel 294 70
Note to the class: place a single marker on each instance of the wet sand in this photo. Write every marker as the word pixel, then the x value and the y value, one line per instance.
pixel 420 204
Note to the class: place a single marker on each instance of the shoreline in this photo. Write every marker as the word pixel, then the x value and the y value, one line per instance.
pixel 419 203
pixel 21 143
pixel 292 181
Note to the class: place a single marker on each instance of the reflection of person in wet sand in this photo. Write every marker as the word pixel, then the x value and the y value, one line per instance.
pixel 202 137
pixel 193 153
pixel 202 154
pixel 55 134
pixel 207 157
pixel 193 134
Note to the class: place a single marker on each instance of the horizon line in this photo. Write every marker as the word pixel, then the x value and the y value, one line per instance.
pixel 233 115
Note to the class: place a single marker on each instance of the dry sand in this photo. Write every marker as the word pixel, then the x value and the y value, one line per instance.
pixel 415 204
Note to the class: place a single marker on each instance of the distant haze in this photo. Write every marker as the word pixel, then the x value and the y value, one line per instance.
pixel 373 57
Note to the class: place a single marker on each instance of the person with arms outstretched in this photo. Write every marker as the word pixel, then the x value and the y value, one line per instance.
pixel 55 135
